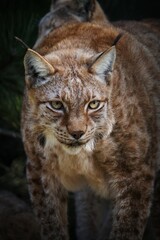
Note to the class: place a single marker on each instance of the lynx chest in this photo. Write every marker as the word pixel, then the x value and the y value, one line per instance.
pixel 79 171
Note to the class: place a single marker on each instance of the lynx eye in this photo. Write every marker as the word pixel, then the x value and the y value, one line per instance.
pixel 94 104
pixel 57 105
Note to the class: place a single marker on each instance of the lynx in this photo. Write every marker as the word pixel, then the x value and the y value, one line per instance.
pixel 90 125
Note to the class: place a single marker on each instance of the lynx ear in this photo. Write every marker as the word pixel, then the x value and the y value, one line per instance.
pixel 103 63
pixel 37 70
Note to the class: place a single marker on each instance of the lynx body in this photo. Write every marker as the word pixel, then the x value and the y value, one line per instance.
pixel 90 123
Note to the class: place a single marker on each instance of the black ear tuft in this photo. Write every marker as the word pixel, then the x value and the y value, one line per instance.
pixel 103 64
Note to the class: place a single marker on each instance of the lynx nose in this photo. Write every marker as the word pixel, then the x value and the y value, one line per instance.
pixel 77 134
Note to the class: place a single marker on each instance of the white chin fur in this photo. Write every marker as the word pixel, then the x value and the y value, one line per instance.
pixel 72 150
pixel 88 147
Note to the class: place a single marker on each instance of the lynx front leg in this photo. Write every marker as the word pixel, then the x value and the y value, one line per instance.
pixel 49 201
pixel 55 222
pixel 132 205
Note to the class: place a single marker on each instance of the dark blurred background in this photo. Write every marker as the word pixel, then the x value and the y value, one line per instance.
pixel 20 18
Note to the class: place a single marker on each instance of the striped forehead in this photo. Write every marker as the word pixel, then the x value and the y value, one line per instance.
pixel 74 82
pixel 76 91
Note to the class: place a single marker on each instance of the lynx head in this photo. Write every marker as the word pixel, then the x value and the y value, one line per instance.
pixel 69 96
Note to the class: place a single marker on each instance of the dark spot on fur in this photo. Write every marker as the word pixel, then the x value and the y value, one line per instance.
pixel 124 166
pixel 51 212
pixel 55 155
pixel 148 178
pixel 45 185
pixel 35 167
pixel 41 202
pixel 36 181
pixel 42 140
pixel 62 198
pixel 29 167
pixel 135 214
pixel 50 228
pixel 136 194
pixel 136 231
pixel 35 193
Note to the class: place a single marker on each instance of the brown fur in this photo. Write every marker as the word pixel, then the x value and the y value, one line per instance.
pixel 116 152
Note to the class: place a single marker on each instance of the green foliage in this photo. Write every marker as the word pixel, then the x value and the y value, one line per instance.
pixel 17 18
pixel 21 20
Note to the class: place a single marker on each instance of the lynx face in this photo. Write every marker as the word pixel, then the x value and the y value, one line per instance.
pixel 71 100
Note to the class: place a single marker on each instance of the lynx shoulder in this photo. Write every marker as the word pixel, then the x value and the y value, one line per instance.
pixel 90 124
